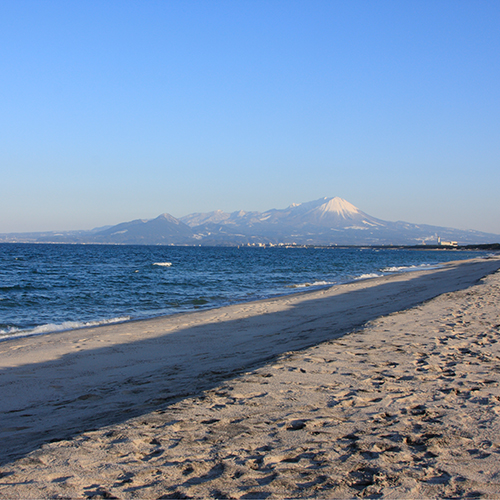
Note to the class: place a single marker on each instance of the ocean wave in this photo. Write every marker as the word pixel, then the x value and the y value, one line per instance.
pixel 162 264
pixel 398 269
pixel 368 276
pixel 13 332
pixel 315 283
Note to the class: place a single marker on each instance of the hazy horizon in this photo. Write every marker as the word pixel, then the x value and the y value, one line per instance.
pixel 125 110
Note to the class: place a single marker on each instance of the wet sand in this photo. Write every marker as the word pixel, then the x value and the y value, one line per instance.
pixel 384 387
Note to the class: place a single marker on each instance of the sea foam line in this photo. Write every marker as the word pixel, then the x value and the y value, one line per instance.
pixel 315 283
pixel 13 332
pixel 368 276
pixel 398 269
pixel 393 269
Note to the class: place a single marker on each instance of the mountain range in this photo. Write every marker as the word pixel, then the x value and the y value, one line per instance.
pixel 327 221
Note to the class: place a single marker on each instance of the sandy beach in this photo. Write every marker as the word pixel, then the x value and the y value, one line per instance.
pixel 387 387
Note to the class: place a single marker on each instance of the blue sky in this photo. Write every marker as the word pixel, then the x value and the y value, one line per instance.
pixel 118 110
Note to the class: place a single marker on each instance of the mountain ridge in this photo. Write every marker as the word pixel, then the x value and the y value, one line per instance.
pixel 326 221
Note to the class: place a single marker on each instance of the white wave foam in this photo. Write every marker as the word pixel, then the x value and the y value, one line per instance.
pixel 489 256
pixel 368 276
pixel 13 332
pixel 316 283
pixel 163 264
pixel 397 269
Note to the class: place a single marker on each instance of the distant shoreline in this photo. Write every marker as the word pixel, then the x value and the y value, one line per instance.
pixel 478 247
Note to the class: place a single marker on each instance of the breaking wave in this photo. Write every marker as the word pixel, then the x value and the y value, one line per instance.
pixel 11 333
pixel 368 276
pixel 315 283
pixel 398 269
pixel 163 264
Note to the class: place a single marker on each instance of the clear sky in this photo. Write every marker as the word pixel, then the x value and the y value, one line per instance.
pixel 117 110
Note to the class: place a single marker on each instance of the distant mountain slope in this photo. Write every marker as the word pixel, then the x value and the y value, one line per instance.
pixel 164 229
pixel 327 221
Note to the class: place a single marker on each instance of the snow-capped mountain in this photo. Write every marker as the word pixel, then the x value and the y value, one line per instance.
pixel 325 212
pixel 327 221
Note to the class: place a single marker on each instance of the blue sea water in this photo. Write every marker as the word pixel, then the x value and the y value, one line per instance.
pixel 49 288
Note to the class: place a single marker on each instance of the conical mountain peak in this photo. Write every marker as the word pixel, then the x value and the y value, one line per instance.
pixel 338 206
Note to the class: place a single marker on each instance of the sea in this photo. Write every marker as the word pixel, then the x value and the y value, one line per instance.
pixel 48 288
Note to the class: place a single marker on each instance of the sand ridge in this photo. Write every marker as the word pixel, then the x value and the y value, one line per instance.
pixel 403 406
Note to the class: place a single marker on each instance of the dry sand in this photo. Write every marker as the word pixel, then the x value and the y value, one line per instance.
pixel 394 393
